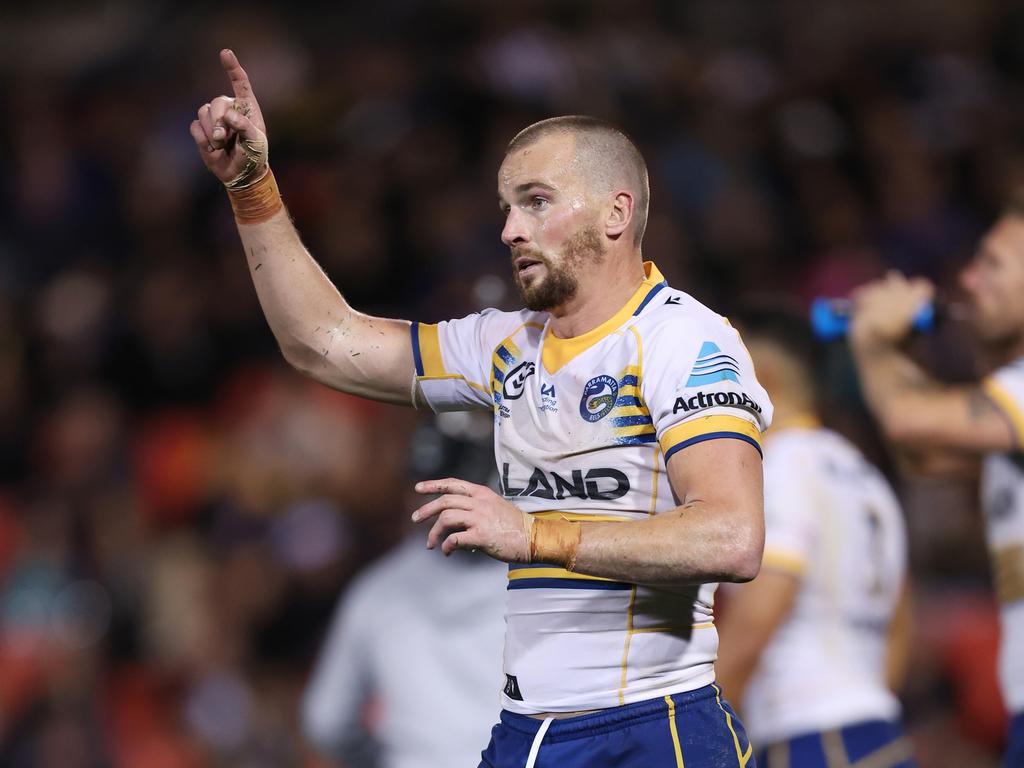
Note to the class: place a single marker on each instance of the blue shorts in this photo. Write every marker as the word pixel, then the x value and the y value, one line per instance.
pixel 1015 746
pixel 695 728
pixel 880 740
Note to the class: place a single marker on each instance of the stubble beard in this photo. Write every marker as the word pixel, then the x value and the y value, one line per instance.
pixel 560 283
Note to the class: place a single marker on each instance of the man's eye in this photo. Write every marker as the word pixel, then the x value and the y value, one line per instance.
pixel 538 203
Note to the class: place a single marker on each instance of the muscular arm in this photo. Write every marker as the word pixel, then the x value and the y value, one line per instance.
pixel 318 332
pixel 715 534
pixel 912 408
pixel 915 410
pixel 755 611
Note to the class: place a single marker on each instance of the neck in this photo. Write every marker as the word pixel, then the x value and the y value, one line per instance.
pixel 601 294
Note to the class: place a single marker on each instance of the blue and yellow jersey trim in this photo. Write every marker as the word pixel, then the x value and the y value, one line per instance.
pixel 426 350
pixel 709 428
pixel 427 358
pixel 781 560
pixel 558 352
pixel 504 356
pixel 1007 404
pixel 544 576
pixel 550 577
pixel 630 419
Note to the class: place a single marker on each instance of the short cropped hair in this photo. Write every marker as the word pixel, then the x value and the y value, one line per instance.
pixel 608 153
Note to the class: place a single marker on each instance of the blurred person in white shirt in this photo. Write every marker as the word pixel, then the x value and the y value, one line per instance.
pixel 410 669
pixel 812 648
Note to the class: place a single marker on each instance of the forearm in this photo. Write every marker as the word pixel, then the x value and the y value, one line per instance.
pixel 892 383
pixel 693 544
pixel 318 332
pixel 739 652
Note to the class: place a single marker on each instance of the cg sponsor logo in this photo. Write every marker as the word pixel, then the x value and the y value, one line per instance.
pixel 515 380
pixel 598 397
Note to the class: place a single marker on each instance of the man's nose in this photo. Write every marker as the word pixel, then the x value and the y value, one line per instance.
pixel 515 231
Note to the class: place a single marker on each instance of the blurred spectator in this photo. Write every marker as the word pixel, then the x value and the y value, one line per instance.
pixel 410 671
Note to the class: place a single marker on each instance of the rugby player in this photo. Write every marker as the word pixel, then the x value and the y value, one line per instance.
pixel 627 436
pixel 987 418
pixel 812 648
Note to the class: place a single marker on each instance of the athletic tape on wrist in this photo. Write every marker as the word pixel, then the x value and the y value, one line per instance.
pixel 256 202
pixel 556 542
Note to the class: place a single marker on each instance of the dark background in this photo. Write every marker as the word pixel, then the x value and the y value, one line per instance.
pixel 179 511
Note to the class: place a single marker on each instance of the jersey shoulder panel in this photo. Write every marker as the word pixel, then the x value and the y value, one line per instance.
pixel 453 357
pixel 1005 388
pixel 696 375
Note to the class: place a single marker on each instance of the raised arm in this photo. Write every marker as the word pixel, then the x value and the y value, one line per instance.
pixel 913 408
pixel 318 332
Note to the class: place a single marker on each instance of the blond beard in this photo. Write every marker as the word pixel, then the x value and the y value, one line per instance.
pixel 561 282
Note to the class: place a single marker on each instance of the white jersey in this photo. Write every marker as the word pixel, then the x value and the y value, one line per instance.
pixel 1002 497
pixel 583 429
pixel 832 520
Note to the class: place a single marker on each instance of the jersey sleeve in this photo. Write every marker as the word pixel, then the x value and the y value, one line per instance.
pixel 789 514
pixel 453 359
pixel 1005 388
pixel 699 384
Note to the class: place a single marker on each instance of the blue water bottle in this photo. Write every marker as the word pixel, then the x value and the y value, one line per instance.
pixel 830 318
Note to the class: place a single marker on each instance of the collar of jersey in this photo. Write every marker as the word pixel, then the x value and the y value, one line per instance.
pixel 802 420
pixel 558 352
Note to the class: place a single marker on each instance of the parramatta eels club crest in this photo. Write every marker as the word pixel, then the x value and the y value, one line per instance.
pixel 599 395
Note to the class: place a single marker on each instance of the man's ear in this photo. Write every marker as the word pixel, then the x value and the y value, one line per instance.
pixel 619 215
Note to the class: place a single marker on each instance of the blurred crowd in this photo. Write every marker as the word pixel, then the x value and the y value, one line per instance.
pixel 179 511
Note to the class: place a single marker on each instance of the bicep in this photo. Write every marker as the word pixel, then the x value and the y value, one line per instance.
pixel 723 470
pixel 961 418
pixel 722 481
pixel 368 356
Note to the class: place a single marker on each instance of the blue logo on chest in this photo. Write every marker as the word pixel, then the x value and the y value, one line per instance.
pixel 598 397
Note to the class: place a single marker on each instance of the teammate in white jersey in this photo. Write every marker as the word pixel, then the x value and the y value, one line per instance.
pixel 627 432
pixel 813 645
pixel 987 418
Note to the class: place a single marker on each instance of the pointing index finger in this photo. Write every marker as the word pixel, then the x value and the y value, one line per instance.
pixel 239 80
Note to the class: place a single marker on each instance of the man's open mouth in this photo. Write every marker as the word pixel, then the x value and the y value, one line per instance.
pixel 523 263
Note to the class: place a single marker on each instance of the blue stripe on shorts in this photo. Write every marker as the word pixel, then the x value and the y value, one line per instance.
pixel 704 732
pixel 1015 744
pixel 880 740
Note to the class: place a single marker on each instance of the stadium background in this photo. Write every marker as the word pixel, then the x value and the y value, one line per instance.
pixel 179 511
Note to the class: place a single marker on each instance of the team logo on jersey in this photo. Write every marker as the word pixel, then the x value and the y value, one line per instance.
pixel 713 366
pixel 598 397
pixel 515 380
